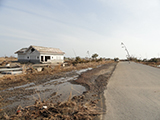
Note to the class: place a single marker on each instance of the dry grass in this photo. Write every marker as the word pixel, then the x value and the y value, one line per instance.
pixel 2 59
pixel 153 64
pixel 32 74
pixel 7 59
pixel 69 110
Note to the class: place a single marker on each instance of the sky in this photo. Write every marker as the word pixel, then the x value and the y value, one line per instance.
pixel 78 26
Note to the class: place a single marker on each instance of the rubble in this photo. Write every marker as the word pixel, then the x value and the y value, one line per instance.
pixel 46 110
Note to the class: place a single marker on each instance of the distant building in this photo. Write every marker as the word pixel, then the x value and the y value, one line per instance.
pixel 38 54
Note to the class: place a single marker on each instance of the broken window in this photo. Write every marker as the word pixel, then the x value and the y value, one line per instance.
pixel 32 50
pixel 42 58
pixel 47 58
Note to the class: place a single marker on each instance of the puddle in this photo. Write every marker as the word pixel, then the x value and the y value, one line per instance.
pixel 60 79
pixel 55 90
pixel 52 92
pixel 61 86
pixel 22 86
pixel 62 92
pixel 83 70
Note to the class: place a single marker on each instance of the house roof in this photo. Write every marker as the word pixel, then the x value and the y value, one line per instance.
pixel 47 50
pixel 23 50
pixel 41 49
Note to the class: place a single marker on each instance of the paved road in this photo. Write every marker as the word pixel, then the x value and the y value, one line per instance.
pixel 133 93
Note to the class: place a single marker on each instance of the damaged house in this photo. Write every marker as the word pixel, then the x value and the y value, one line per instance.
pixel 38 54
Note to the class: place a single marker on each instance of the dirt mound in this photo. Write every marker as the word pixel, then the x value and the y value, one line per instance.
pixel 96 79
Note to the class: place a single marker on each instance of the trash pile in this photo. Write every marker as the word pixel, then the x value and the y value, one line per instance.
pixel 46 110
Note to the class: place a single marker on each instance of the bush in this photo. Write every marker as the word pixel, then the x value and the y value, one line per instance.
pixel 94 56
pixel 153 60
pixel 116 59
pixel 99 60
pixel 78 59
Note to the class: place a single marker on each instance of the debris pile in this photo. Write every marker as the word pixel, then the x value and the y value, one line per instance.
pixel 69 110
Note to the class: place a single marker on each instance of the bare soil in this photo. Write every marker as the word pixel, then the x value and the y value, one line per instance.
pixel 95 81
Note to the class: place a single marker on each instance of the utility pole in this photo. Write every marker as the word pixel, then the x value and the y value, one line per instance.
pixel 88 54
pixel 74 53
pixel 128 55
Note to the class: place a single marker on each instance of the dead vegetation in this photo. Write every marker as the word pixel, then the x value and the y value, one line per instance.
pixel 153 64
pixel 30 73
pixel 72 109
pixel 0 101
pixel 83 107
pixel 5 60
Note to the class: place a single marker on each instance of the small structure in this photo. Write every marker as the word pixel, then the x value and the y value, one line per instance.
pixel 38 54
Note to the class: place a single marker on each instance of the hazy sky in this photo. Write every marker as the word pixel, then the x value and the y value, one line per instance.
pixel 97 26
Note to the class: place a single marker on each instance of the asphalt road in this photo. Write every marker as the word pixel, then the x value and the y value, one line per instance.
pixel 133 93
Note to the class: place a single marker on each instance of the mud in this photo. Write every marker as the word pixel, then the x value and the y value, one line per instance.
pixel 88 83
pixel 96 82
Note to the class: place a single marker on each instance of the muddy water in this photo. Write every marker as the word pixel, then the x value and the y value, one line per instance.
pixel 54 89
pixel 58 87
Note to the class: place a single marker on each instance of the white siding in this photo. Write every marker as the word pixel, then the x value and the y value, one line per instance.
pixel 34 56
pixel 53 58
pixel 59 57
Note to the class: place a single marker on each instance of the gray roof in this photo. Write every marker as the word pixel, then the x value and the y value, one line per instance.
pixel 23 50
pixel 47 50
pixel 41 49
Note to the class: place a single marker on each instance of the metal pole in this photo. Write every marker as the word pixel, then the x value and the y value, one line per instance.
pixel 123 46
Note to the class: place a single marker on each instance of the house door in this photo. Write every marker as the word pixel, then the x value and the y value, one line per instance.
pixel 41 58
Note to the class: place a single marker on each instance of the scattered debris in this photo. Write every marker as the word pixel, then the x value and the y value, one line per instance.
pixel 7 65
pixel 69 110
pixel 158 65
pixel 18 111
pixel 44 107
pixel 39 69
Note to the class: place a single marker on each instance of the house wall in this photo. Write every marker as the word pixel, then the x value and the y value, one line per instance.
pixel 34 56
pixel 29 56
pixel 21 56
pixel 53 58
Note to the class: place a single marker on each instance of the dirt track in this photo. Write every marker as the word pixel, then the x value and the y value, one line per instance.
pixel 94 80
